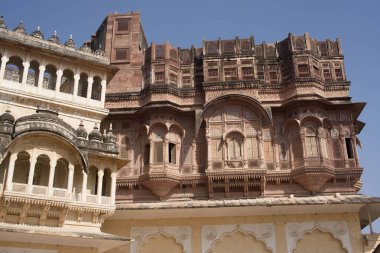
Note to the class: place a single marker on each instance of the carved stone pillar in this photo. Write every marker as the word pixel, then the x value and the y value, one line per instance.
pixel 103 92
pixel 291 156
pixel 70 178
pixel 53 163
pixel 33 161
pixel 194 156
pixel 356 156
pixel 100 185
pixel 41 77
pixel 4 61
pixel 244 153
pixel 344 150
pixel 11 168
pixel 25 72
pixel 151 151
pixel 113 187
pixel 76 84
pixel 90 81
pixel 209 167
pixel 84 186
pixel 276 152
pixel 58 82
pixel 261 150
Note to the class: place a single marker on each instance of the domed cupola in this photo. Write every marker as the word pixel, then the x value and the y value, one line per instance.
pixel 110 138
pixel 54 39
pixel 2 23
pixel 70 42
pixel 95 134
pixel 99 51
pixel 7 118
pixel 86 47
pixel 20 28
pixel 37 33
pixel 81 131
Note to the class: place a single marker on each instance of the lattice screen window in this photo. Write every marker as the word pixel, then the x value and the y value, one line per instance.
pixel 160 52
pixel 303 70
pixel 311 146
pixel 234 149
pixel 268 151
pixel 123 25
pixel 324 148
pixel 252 148
pixel 216 149
pixel 158 150
pixel 159 77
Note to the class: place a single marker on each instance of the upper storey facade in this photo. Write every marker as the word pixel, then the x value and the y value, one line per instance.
pixel 233 119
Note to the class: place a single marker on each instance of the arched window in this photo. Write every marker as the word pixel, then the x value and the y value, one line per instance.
pixel 33 73
pixel 67 82
pixel 83 85
pixel 252 148
pixel 61 173
pixel 106 184
pixel 21 168
pixel 78 179
pixel 50 77
pixel 96 88
pixel 41 171
pixel 311 142
pixel 92 180
pixel 234 149
pixel 14 69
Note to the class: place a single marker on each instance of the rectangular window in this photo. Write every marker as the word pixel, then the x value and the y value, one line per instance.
pixel 123 25
pixel 303 70
pixel 121 54
pixel 159 77
pixel 252 148
pixel 216 149
pixel 213 72
pixel 311 146
pixel 350 152
pixel 173 79
pixel 268 151
pixel 172 153
pixel 158 152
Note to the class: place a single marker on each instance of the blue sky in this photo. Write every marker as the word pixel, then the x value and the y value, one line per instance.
pixel 184 23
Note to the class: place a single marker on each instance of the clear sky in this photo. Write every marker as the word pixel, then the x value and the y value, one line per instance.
pixel 184 23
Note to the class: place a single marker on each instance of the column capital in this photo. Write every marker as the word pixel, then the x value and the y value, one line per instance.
pixel 59 72
pixel 76 77
pixel 100 172
pixel 4 59
pixel 90 80
pixel 42 68
pixel 26 64
pixel 103 82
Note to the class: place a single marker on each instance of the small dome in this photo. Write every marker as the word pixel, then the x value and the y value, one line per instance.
pixel 110 137
pixel 2 23
pixel 81 131
pixel 20 28
pixel 7 117
pixel 70 42
pixel 37 33
pixel 54 39
pixel 95 134
pixel 86 47
pixel 99 51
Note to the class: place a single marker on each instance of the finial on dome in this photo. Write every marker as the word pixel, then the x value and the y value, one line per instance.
pixel 54 38
pixel 86 47
pixel 37 33
pixel 95 134
pixel 20 28
pixel 81 131
pixel 2 22
pixel 70 42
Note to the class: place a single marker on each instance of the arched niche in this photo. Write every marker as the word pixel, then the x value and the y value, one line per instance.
pixel 311 243
pixel 238 242
pixel 161 243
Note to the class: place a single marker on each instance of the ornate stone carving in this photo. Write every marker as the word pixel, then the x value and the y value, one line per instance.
pixel 263 232
pixel 182 235
pixel 338 229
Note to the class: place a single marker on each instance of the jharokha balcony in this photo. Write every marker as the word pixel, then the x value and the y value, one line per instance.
pixel 48 163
